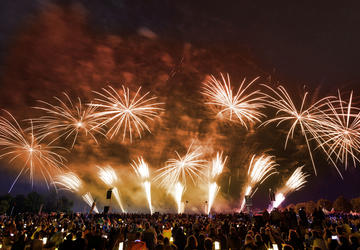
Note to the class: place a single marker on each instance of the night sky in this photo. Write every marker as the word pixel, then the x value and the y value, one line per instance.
pixel 47 47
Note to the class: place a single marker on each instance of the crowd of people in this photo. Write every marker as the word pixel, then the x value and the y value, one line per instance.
pixel 275 230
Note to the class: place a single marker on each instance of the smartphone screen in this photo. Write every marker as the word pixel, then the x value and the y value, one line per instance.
pixel 217 245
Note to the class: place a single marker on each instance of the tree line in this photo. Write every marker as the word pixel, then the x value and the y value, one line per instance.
pixel 341 204
pixel 32 203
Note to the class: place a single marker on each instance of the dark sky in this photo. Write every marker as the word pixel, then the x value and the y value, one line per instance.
pixel 307 43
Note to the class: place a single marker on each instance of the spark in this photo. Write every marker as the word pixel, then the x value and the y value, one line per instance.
pixel 260 169
pixel 178 169
pixel 109 177
pixel 69 181
pixel 178 191
pixel 115 191
pixel 217 167
pixel 67 119
pixel 127 112
pixel 142 171
pixel 30 150
pixel 90 201
pixel 295 182
pixel 340 136
pixel 240 107
pixel 308 117
pixel 173 176
pixel 279 198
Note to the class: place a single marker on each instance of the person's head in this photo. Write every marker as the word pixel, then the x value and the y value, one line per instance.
pixel 191 242
pixel 208 243
pixel 339 230
pixel 251 233
pixel 248 239
pixel 69 236
pixel 166 241
pixel 160 238
pixel 258 239
pixel 78 235
pixel 287 247
pixel 138 235
pixel 147 225
pixel 354 240
pixel 37 235
pixel 343 241
pixel 293 235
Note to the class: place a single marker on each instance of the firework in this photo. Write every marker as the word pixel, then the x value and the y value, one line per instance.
pixel 178 169
pixel 260 168
pixel 142 171
pixel 279 198
pixel 173 176
pixel 241 107
pixel 90 201
pixel 178 191
pixel 216 169
pixel 69 181
pixel 30 150
pixel 67 120
pixel 115 191
pixel 109 177
pixel 127 112
pixel 339 136
pixel 295 182
pixel 308 117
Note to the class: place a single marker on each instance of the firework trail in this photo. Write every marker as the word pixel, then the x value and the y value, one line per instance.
pixel 240 107
pixel 142 171
pixel 260 168
pixel 339 137
pixel 178 169
pixel 68 181
pixel 217 167
pixel 127 112
pixel 178 192
pixel 90 201
pixel 67 120
pixel 295 182
pixel 28 149
pixel 71 182
pixel 308 117
pixel 174 174
pixel 109 177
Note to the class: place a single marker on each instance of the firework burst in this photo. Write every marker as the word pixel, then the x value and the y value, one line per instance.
pixel 260 168
pixel 68 181
pixel 90 201
pixel 242 107
pixel 295 182
pixel 308 117
pixel 67 119
pixel 173 176
pixel 109 177
pixel 340 137
pixel 179 169
pixel 178 191
pixel 217 167
pixel 142 171
pixel 127 112
pixel 28 149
